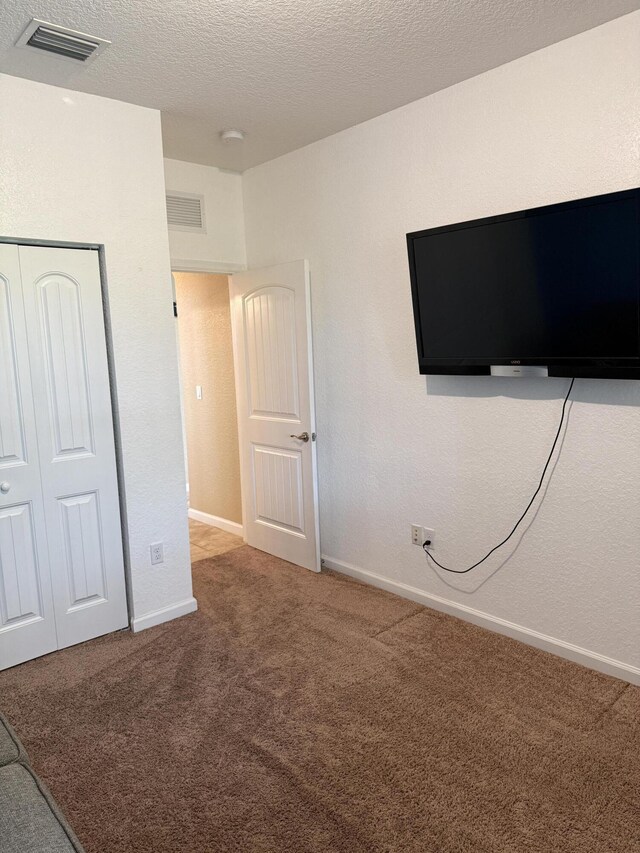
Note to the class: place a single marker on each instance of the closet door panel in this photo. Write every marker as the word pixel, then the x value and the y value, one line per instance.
pixel 27 622
pixel 65 322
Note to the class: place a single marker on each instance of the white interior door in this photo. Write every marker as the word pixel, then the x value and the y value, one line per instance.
pixel 271 320
pixel 64 485
pixel 27 623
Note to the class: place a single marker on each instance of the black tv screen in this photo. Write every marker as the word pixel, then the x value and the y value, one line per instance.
pixel 555 286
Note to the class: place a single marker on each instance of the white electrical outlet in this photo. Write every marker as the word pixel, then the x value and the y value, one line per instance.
pixel 420 534
pixel 416 534
pixel 157 553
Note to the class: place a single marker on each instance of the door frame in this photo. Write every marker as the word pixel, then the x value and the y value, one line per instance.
pixel 102 265
pixel 211 268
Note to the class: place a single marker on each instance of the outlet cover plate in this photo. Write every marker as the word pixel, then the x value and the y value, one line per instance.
pixel 157 553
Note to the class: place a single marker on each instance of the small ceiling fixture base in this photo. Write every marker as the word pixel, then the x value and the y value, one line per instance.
pixel 232 135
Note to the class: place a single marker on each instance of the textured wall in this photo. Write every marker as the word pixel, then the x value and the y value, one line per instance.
pixel 86 169
pixel 222 247
pixel 206 359
pixel 462 455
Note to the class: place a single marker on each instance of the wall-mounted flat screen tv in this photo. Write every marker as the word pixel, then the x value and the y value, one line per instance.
pixel 548 291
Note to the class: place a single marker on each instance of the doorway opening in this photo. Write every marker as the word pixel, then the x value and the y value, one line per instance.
pixel 210 425
pixel 245 348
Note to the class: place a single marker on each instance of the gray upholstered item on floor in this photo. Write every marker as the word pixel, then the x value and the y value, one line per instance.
pixel 30 821
pixel 10 747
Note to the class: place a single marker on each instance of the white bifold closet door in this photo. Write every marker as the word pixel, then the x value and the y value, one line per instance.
pixel 61 562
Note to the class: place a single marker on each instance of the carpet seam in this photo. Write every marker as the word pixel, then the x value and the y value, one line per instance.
pixel 609 707
pixel 398 622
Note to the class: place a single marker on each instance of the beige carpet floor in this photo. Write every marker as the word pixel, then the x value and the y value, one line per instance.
pixel 307 713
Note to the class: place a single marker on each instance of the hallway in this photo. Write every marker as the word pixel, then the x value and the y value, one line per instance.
pixel 207 541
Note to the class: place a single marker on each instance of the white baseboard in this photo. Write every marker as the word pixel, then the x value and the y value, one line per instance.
pixel 216 521
pixel 165 614
pixel 593 660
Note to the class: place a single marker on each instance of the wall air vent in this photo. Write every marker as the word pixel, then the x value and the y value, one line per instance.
pixel 62 42
pixel 185 212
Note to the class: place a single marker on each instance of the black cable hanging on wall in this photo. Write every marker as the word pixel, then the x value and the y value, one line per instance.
pixel 425 545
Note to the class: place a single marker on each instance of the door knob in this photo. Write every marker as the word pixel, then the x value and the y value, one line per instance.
pixel 304 436
pixel 4 488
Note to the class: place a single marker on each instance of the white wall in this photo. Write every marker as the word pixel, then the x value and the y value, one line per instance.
pixel 222 248
pixel 75 167
pixel 463 455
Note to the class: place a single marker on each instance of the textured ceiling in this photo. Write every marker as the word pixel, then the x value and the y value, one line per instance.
pixel 287 72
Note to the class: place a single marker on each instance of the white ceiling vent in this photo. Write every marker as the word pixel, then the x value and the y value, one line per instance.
pixel 62 42
pixel 185 212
